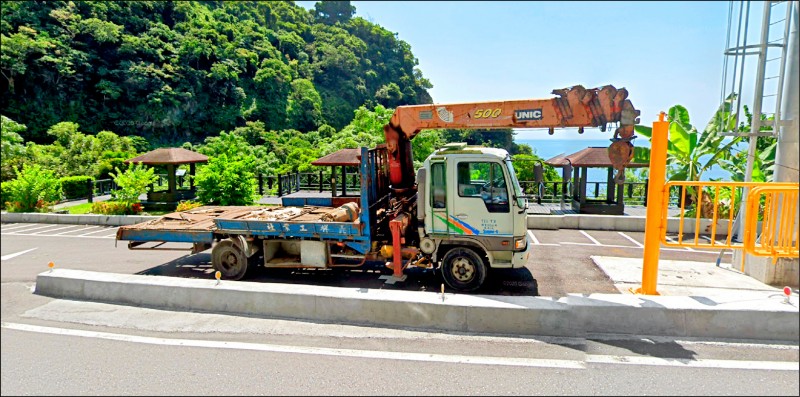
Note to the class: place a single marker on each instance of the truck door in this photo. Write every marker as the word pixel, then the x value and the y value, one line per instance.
pixel 438 194
pixel 481 204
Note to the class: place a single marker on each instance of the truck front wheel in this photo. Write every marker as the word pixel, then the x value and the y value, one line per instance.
pixel 463 269
pixel 229 259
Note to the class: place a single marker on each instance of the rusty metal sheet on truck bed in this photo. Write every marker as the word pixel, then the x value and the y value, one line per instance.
pixel 192 226
pixel 302 222
pixel 199 225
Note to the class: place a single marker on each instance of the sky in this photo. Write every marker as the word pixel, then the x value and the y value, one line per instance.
pixel 664 53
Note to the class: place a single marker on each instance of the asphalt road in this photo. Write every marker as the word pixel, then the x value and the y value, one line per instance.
pixel 559 263
pixel 60 347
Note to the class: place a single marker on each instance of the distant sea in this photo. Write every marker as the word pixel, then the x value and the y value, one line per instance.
pixel 548 148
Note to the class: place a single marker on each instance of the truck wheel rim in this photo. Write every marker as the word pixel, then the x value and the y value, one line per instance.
pixel 229 261
pixel 463 270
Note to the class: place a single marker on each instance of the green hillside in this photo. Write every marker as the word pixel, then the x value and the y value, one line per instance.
pixel 176 72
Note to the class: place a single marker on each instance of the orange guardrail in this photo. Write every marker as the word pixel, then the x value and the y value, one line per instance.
pixel 776 205
pixel 718 201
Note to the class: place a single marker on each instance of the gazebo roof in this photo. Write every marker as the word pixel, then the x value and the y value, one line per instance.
pixel 589 157
pixel 349 157
pixel 172 155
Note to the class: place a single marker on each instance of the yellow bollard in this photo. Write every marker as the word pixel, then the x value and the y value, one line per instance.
pixel 655 202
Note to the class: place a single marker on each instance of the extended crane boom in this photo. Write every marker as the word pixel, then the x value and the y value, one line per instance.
pixel 574 107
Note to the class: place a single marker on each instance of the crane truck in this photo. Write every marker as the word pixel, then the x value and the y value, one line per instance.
pixel 462 212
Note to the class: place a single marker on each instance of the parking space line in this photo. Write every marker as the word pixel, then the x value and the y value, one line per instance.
pixel 110 235
pixel 590 238
pixel 672 240
pixel 638 244
pixel 58 228
pixel 535 240
pixel 33 228
pixel 96 231
pixel 51 235
pixel 638 248
pixel 716 242
pixel 70 231
pixel 17 226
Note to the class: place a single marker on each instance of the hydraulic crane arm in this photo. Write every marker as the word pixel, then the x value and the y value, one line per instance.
pixel 574 107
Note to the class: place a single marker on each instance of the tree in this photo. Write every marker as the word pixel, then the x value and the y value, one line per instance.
pixel 12 146
pixel 332 11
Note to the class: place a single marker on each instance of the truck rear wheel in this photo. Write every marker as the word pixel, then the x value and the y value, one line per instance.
pixel 463 269
pixel 230 260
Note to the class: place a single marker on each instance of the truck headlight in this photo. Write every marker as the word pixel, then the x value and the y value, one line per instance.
pixel 520 243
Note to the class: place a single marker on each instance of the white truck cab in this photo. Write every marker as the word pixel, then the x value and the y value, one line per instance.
pixel 470 213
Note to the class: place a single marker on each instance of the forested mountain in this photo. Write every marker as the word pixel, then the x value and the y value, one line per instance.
pixel 178 71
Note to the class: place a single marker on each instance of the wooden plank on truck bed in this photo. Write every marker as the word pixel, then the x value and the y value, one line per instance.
pixel 195 225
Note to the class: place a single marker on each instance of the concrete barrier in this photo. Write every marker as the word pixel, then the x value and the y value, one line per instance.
pixel 573 316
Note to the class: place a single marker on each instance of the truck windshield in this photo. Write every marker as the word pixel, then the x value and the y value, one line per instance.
pixel 515 184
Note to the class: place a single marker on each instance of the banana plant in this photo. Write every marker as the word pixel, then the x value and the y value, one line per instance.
pixel 691 153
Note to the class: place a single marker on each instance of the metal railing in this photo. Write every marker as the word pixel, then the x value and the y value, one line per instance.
pixel 310 181
pixel 708 210
pixel 777 206
pixel 635 193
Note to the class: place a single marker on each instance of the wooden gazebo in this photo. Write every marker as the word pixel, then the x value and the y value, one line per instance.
pixel 342 158
pixel 581 161
pixel 171 158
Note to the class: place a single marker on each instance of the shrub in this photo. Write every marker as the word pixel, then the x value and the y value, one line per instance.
pixel 75 186
pixel 133 182
pixel 185 205
pixel 116 208
pixel 34 189
pixel 3 194
pixel 227 182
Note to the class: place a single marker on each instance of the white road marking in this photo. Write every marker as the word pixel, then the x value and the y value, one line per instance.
pixel 9 256
pixel 638 244
pixel 17 226
pixel 52 230
pixel 110 235
pixel 699 363
pixel 77 230
pixel 638 248
pixel 323 351
pixel 535 240
pixel 408 356
pixel 33 228
pixel 96 231
pixel 52 235
pixel 672 240
pixel 590 238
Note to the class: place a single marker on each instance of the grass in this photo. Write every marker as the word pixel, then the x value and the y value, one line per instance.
pixel 86 208
pixel 80 208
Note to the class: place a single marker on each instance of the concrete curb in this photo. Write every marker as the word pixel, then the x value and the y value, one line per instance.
pixel 73 219
pixel 573 316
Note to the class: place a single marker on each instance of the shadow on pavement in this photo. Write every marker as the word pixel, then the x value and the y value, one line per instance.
pixel 517 282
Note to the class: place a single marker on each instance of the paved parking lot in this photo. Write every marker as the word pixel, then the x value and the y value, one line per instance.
pixel 560 262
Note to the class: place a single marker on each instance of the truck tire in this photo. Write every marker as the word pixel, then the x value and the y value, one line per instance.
pixel 463 269
pixel 230 260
